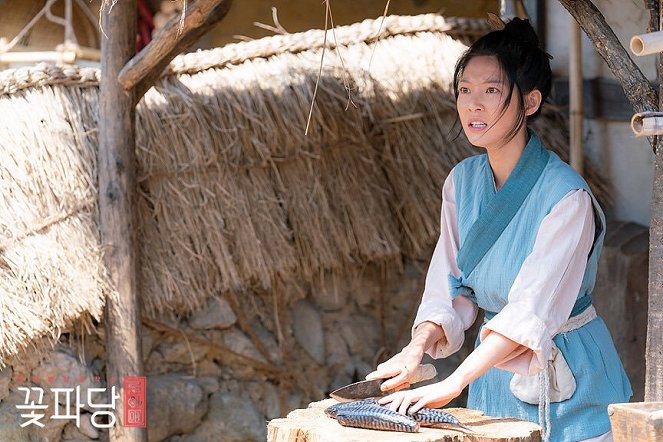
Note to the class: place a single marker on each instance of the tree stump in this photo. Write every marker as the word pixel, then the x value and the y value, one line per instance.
pixel 312 425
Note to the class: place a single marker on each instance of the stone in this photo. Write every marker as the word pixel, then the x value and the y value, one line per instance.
pixel 295 400
pixel 335 345
pixel 210 384
pixel 175 404
pixel 332 293
pixel 86 427
pixel 231 418
pixel 155 363
pixel 238 342
pixel 307 327
pixel 63 370
pixel 270 402
pixel 218 314
pixel 268 341
pixel 361 334
pixel 5 379
pixel 177 349
pixel 265 396
pixel 10 420
pixel 207 367
pixel 355 370
pixel 72 432
pixel 52 431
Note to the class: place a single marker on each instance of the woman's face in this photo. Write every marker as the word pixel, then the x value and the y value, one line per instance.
pixel 482 91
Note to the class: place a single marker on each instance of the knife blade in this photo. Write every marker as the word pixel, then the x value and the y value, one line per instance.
pixel 367 389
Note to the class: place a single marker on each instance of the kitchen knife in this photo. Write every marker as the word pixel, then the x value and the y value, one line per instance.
pixel 367 389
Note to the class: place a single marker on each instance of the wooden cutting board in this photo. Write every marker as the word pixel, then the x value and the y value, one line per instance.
pixel 312 425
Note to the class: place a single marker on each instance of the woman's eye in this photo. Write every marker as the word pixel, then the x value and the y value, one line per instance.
pixel 463 90
pixel 493 90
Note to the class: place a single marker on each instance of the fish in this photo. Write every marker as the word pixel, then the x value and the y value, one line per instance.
pixel 332 410
pixel 376 417
pixel 431 417
pixel 368 413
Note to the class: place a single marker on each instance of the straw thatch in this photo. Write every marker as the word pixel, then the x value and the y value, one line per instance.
pixel 233 195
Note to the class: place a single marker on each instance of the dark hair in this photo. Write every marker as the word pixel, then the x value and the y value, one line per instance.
pixel 526 66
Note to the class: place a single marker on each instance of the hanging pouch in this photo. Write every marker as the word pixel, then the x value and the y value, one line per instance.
pixel 562 383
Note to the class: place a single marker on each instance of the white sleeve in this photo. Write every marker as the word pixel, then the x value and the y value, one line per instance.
pixel 436 305
pixel 546 287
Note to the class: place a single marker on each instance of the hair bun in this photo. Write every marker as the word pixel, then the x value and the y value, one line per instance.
pixel 523 31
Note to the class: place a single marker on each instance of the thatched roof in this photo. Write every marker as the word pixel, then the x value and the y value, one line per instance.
pixel 233 195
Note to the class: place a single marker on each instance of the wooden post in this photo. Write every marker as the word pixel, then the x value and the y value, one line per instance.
pixel 117 207
pixel 575 98
pixel 654 351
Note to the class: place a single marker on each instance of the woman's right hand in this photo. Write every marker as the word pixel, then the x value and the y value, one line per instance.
pixel 398 369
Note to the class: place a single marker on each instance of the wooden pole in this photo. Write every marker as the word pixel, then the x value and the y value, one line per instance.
pixel 142 70
pixel 117 207
pixel 654 350
pixel 575 93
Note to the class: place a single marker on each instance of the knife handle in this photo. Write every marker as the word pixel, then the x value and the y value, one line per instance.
pixel 422 373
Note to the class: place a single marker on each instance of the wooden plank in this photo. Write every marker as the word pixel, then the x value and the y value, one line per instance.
pixel 141 71
pixel 117 208
pixel 636 422
pixel 654 348
pixel 312 425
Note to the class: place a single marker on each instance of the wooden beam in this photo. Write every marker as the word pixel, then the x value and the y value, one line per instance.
pixel 117 208
pixel 654 349
pixel 640 93
pixel 141 71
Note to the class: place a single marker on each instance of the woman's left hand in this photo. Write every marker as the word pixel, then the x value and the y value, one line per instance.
pixel 433 396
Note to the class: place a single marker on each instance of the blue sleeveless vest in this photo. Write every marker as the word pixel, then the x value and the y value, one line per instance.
pixel 589 351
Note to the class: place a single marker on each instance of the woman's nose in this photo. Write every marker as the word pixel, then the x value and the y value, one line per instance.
pixel 474 106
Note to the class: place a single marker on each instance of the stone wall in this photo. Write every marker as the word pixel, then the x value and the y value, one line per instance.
pixel 222 373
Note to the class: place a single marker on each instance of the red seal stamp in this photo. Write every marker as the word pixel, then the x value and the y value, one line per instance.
pixel 135 407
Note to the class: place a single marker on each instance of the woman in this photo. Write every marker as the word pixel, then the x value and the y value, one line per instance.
pixel 521 236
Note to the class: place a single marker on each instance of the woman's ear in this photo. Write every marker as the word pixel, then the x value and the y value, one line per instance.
pixel 532 102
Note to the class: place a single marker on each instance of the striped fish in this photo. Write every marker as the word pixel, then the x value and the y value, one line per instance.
pixel 376 417
pixel 368 413
pixel 332 410
pixel 430 417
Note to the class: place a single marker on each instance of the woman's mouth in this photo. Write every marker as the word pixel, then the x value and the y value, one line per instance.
pixel 477 125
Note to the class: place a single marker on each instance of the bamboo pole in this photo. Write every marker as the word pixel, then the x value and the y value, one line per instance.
pixel 654 350
pixel 576 113
pixel 117 209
